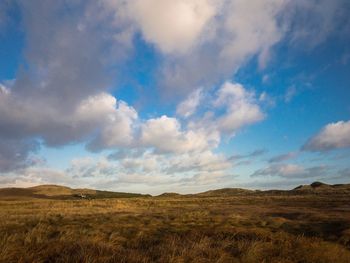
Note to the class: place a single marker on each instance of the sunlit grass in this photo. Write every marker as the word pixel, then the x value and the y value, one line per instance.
pixel 300 228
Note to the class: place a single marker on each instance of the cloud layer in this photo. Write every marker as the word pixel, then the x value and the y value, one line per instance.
pixel 76 55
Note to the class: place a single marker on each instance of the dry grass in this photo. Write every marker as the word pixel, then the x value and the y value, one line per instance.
pixel 251 228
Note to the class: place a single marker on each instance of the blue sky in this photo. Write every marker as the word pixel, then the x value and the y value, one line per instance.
pixel 153 96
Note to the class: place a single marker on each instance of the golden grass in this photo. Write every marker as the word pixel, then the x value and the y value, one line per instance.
pixel 300 228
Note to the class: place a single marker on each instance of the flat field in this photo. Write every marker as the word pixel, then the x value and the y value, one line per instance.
pixel 268 227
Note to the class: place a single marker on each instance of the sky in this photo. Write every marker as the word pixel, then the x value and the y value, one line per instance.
pixel 154 96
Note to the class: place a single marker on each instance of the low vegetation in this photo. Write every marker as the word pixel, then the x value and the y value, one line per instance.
pixel 308 225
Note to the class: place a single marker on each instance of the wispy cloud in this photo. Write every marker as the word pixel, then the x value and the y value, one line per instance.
pixel 283 157
pixel 291 171
pixel 252 154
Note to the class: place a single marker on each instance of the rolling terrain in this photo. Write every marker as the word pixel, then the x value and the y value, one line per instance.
pixel 49 223
pixel 59 193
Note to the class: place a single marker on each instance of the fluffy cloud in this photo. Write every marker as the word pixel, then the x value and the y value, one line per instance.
pixel 332 136
pixel 240 107
pixel 118 131
pixel 224 112
pixel 239 31
pixel 67 69
pixel 173 25
pixel 108 123
pixel 55 126
pixel 291 171
pixel 250 34
pixel 165 135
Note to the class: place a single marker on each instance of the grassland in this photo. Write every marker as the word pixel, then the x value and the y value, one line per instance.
pixel 310 224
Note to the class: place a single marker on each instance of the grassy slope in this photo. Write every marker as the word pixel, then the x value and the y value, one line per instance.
pixel 59 193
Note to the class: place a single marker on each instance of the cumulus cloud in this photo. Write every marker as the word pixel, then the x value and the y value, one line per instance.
pixel 332 136
pixel 291 171
pixel 118 131
pixel 227 110
pixel 250 34
pixel 172 25
pixel 165 135
pixel 239 31
pixel 105 122
pixel 100 113
pixel 240 106
pixel 60 95
pixel 203 42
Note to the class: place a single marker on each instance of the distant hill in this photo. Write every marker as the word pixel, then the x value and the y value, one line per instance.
pixel 169 195
pixel 64 192
pixel 58 190
pixel 61 192
pixel 319 187
pixel 226 192
pixel 314 188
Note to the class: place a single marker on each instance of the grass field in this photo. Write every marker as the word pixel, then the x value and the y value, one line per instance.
pixel 213 227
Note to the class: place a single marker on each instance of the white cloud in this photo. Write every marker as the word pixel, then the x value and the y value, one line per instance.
pixel 118 129
pixel 173 25
pixel 99 113
pixel 332 136
pixel 107 123
pixel 165 135
pixel 188 107
pixel 151 168
pixel 240 107
pixel 251 27
pixel 100 119
pixel 239 31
